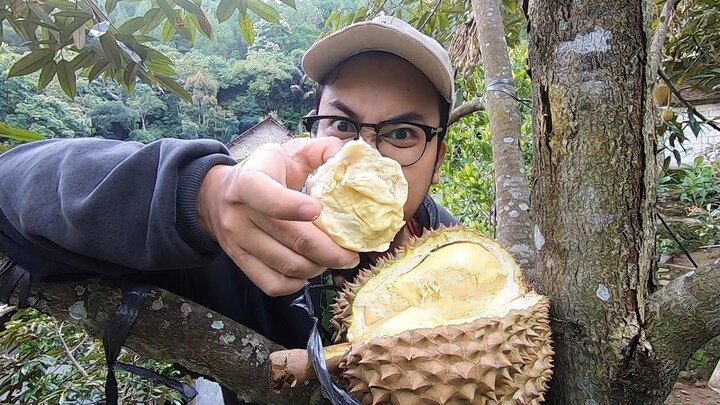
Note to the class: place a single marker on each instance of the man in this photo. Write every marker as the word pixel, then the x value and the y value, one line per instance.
pixel 235 238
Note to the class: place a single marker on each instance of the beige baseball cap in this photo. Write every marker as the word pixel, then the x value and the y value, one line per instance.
pixel 386 34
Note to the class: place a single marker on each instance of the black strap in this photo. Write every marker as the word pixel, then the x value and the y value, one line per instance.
pixel 330 390
pixel 115 336
pixel 18 279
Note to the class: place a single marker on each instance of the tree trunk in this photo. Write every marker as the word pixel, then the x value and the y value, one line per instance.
pixel 512 196
pixel 593 194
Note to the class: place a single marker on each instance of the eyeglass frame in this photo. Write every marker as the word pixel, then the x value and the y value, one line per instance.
pixel 430 131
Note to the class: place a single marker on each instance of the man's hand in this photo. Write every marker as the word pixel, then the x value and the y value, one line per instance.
pixel 254 211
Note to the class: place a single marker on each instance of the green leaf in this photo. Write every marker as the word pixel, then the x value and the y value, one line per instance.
pixel 32 62
pixel 694 125
pixel 190 7
pixel 170 84
pixel 69 29
pixel 129 77
pixel 73 13
pixel 174 19
pixel 203 23
pixel 168 31
pixel 49 26
pixel 242 6
pixel 153 18
pixel 111 50
pixel 83 60
pixel 46 74
pixel 225 10
pixel 145 38
pixel 98 69
pixel 166 8
pixel 66 77
pixel 677 156
pixel 6 131
pixel 110 5
pixel 247 29
pixel 132 25
pixel 159 67
pixel 290 3
pixel 264 11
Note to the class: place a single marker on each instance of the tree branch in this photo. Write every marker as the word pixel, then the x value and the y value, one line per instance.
pixel 685 314
pixel 175 330
pixel 466 108
pixel 687 104
pixel 68 352
pixel 427 20
pixel 681 317
pixel 658 39
pixel 515 228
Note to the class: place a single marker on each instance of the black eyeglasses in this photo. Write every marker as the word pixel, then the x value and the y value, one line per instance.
pixel 402 141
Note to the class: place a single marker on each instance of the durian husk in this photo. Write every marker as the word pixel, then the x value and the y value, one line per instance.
pixel 491 360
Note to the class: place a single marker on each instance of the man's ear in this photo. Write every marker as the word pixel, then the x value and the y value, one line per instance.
pixel 438 162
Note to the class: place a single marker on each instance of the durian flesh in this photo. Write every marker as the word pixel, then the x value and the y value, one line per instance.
pixel 363 195
pixel 453 301
pixel 455 284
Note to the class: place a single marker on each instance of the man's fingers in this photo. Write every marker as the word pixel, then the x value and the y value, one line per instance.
pixel 268 197
pixel 280 257
pixel 308 240
pixel 268 280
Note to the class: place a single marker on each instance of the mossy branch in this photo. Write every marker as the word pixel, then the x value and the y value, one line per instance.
pixel 466 108
pixel 685 314
pixel 172 329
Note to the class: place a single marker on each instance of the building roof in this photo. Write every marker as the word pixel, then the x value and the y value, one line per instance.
pixel 268 120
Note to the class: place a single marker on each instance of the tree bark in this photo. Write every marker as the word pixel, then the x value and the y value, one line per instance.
pixel 681 317
pixel 593 195
pixel 175 330
pixel 512 195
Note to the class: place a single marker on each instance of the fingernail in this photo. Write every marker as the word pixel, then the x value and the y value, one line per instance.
pixel 309 211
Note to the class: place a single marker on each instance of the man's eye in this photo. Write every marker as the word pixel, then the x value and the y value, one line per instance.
pixel 342 126
pixel 400 133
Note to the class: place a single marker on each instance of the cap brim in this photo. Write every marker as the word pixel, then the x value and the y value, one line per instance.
pixel 367 36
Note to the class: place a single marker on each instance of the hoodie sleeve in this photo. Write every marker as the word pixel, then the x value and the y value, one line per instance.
pixel 102 205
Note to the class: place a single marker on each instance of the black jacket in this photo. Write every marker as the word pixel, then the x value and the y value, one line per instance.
pixel 81 206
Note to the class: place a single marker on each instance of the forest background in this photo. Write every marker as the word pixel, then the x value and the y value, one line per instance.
pixel 242 74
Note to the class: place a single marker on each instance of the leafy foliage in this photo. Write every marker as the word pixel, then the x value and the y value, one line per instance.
pixel 66 37
pixel 699 184
pixel 692 64
pixel 44 361
pixel 693 46
pixel 50 117
pixel 697 189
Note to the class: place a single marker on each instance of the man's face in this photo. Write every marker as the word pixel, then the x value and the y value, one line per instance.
pixel 376 87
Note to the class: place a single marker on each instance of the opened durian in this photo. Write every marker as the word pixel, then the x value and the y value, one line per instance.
pixel 448 320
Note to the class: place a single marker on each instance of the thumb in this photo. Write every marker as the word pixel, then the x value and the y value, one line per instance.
pixel 306 155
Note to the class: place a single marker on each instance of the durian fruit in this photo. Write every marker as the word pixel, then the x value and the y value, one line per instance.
pixel 667 115
pixel 448 320
pixel 661 94
pixel 363 195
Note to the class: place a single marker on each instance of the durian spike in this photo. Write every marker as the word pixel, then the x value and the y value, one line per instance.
pixel 290 368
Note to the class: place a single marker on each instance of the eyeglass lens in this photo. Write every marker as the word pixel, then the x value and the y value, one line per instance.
pixel 404 143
